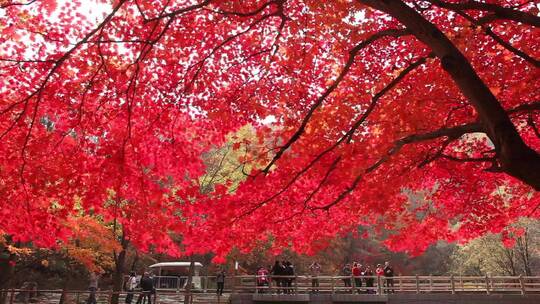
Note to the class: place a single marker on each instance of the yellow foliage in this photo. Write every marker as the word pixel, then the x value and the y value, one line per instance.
pixel 19 251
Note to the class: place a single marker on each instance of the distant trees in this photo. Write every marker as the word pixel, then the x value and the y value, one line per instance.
pixel 497 254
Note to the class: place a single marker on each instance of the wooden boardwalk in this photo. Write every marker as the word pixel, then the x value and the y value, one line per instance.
pixel 399 284
pixel 303 289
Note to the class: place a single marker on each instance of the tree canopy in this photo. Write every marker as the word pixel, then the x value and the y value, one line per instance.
pixel 419 117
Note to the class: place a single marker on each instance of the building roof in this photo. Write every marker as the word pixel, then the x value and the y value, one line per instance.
pixel 175 264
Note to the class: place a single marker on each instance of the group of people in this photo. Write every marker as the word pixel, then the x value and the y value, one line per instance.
pixel 146 285
pixel 283 274
pixel 364 275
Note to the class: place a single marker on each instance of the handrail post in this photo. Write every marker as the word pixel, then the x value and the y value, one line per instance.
pixel 430 283
pixel 353 284
pixel 400 284
pixel 461 282
pixel 333 284
pixel 109 300
pixel 62 296
pixel 417 284
pixel 521 285
pixel 256 284
pixel 11 296
pixel 379 284
pixel 487 284
pixel 452 284
pixel 295 284
pixel 233 289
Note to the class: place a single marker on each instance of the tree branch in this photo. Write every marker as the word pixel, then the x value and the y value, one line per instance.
pixel 348 135
pixel 498 12
pixel 453 132
pixel 179 11
pixel 515 156
pixel 352 54
pixel 530 122
pixel 499 40
pixel 6 5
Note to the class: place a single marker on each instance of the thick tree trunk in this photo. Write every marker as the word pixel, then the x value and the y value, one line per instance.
pixel 120 261
pixel 135 260
pixel 514 156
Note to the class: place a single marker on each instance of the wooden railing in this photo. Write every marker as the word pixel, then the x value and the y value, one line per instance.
pixel 381 285
pixel 18 296
pixel 302 284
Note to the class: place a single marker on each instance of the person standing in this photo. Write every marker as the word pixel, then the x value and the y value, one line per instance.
pixel 278 271
pixel 220 280
pixel 131 284
pixel 379 271
pixel 357 275
pixel 147 285
pixel 369 279
pixel 389 277
pixel 315 271
pixel 347 272
pixel 289 272
pixel 93 287
pixel 262 279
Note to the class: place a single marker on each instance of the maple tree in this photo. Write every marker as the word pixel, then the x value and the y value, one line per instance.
pixel 354 104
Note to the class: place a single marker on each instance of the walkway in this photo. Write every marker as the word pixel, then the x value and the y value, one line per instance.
pixel 331 289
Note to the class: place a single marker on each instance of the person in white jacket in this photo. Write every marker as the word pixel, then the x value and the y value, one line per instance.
pixel 131 284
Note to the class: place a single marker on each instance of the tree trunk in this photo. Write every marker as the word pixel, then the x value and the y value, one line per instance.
pixel 118 275
pixel 187 297
pixel 135 260
pixel 510 264
pixel 514 156
pixel 524 254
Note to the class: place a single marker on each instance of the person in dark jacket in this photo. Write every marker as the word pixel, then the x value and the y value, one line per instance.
pixel 220 280
pixel 389 277
pixel 278 270
pixel 147 286
pixel 347 272
pixel 289 271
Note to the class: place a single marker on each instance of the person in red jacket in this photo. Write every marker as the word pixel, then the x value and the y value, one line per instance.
pixel 262 279
pixel 357 274
pixel 379 271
